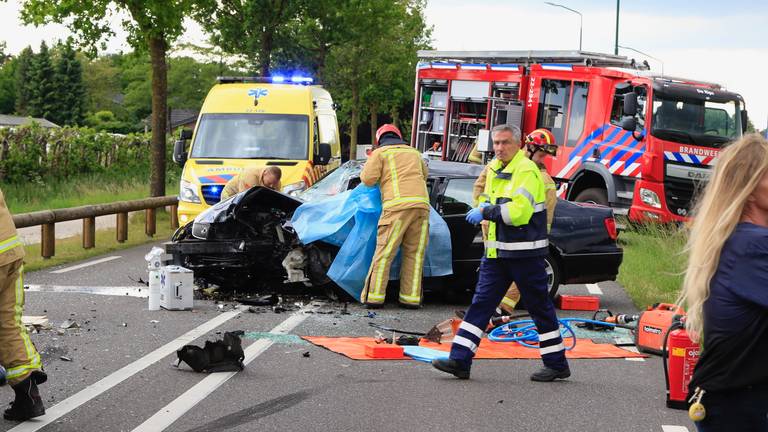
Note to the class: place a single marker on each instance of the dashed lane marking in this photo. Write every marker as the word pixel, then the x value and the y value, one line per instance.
pixel 181 405
pixel 634 359
pixel 88 264
pixel 594 289
pixel 115 378
pixel 669 428
pixel 130 291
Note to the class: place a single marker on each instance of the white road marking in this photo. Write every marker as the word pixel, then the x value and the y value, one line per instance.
pixel 634 359
pixel 88 264
pixel 182 404
pixel 130 291
pixel 115 378
pixel 668 428
pixel 594 289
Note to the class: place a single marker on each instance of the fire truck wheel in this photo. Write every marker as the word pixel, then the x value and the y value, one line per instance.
pixel 593 196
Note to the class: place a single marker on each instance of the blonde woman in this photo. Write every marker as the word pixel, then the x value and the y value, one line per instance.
pixel 726 290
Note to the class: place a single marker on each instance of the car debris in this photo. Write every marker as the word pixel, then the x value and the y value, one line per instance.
pixel 69 324
pixel 65 358
pixel 36 323
pixel 225 355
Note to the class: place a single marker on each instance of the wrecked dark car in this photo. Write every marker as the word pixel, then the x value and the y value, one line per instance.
pixel 247 241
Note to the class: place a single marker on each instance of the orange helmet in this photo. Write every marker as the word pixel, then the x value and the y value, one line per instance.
pixel 541 139
pixel 388 128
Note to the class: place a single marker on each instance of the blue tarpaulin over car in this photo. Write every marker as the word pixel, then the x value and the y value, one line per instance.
pixel 349 220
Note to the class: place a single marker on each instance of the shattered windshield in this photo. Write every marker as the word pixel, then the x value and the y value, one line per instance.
pixel 341 179
pixel 252 136
pixel 698 121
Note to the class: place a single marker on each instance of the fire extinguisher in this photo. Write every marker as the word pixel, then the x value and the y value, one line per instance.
pixel 679 357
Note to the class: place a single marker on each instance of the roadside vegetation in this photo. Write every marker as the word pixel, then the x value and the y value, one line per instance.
pixel 654 261
pixel 71 249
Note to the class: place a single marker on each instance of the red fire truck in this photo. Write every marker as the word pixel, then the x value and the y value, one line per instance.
pixel 628 138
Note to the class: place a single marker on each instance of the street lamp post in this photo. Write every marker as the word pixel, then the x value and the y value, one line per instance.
pixel 616 45
pixel 574 11
pixel 642 53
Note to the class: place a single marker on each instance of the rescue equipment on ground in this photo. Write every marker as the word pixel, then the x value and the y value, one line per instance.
pixel 225 355
pixel 350 220
pixel 679 357
pixel 574 302
pixel 176 288
pixel 154 263
pixel 524 331
pixel 653 324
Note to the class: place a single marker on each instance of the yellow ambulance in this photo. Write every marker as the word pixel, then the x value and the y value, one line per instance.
pixel 281 121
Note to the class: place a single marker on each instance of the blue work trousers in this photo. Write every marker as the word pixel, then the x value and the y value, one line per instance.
pixel 496 274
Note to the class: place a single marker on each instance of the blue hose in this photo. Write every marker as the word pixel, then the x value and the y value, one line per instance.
pixel 524 331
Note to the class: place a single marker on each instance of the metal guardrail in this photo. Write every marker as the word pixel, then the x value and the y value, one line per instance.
pixel 47 220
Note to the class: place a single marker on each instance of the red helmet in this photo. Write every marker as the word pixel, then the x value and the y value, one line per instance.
pixel 388 128
pixel 541 139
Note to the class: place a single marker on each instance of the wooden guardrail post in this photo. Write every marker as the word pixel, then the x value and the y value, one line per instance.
pixel 150 222
pixel 174 217
pixel 47 240
pixel 122 227
pixel 89 232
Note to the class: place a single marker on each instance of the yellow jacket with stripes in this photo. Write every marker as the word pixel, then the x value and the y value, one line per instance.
pixel 401 174
pixel 10 244
pixel 517 211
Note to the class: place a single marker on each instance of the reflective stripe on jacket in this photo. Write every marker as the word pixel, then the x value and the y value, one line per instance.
pixel 401 174
pixel 518 211
pixel 10 244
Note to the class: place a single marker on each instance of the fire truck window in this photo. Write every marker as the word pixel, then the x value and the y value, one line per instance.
pixel 578 113
pixel 618 104
pixel 553 107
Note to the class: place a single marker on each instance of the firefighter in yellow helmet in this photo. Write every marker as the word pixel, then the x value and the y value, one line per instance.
pixel 24 369
pixel 401 174
pixel 538 145
pixel 268 176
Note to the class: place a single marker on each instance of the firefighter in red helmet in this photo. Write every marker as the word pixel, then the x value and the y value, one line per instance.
pixel 401 174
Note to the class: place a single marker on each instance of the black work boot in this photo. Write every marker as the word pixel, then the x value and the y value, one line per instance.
pixel 546 374
pixel 28 403
pixel 452 367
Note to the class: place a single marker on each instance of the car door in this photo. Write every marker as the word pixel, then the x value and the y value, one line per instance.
pixel 466 239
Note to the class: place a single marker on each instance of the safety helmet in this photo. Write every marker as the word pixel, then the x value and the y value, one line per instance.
pixel 388 128
pixel 541 139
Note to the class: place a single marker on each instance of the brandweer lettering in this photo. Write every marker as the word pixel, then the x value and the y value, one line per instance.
pixel 698 151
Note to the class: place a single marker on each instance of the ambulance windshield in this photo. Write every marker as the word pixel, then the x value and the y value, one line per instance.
pixel 703 120
pixel 252 136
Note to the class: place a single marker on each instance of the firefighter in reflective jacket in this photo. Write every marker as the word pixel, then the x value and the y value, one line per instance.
pixel 514 204
pixel 401 174
pixel 17 352
pixel 268 177
pixel 538 144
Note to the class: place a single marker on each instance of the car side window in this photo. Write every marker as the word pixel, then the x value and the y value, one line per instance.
pixel 457 198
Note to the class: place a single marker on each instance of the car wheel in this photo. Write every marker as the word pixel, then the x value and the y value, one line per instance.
pixel 553 275
pixel 593 196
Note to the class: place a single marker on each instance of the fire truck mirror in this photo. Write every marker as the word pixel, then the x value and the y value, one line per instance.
pixel 629 123
pixel 630 104
pixel 744 121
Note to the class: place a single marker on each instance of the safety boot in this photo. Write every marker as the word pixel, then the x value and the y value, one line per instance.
pixel 452 367
pixel 547 374
pixel 27 403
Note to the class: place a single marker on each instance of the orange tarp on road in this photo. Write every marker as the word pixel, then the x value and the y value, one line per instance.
pixel 354 348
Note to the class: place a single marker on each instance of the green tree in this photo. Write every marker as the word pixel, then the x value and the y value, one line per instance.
pixel 101 78
pixel 106 121
pixel 23 81
pixel 8 86
pixel 42 87
pixel 256 29
pixel 152 26
pixel 70 90
pixel 189 82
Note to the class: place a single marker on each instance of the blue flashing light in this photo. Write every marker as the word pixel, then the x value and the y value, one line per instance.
pixel 278 79
pixel 301 80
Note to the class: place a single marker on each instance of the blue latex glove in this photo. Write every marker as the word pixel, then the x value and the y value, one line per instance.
pixel 475 216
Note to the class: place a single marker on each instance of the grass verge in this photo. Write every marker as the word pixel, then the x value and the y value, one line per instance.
pixel 85 190
pixel 654 262
pixel 71 249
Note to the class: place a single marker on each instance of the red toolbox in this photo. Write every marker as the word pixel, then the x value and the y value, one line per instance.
pixel 582 303
pixel 384 351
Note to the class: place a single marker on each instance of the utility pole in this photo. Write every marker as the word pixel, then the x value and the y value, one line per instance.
pixel 616 45
pixel 581 22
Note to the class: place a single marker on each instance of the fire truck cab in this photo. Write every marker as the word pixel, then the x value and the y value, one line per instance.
pixel 639 142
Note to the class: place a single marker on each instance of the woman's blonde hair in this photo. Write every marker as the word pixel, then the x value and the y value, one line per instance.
pixel 719 209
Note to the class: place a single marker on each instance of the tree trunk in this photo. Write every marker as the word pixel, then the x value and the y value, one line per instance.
pixel 266 52
pixel 157 52
pixel 374 119
pixel 354 121
pixel 395 114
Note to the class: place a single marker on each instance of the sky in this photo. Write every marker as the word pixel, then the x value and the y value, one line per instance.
pixel 717 41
